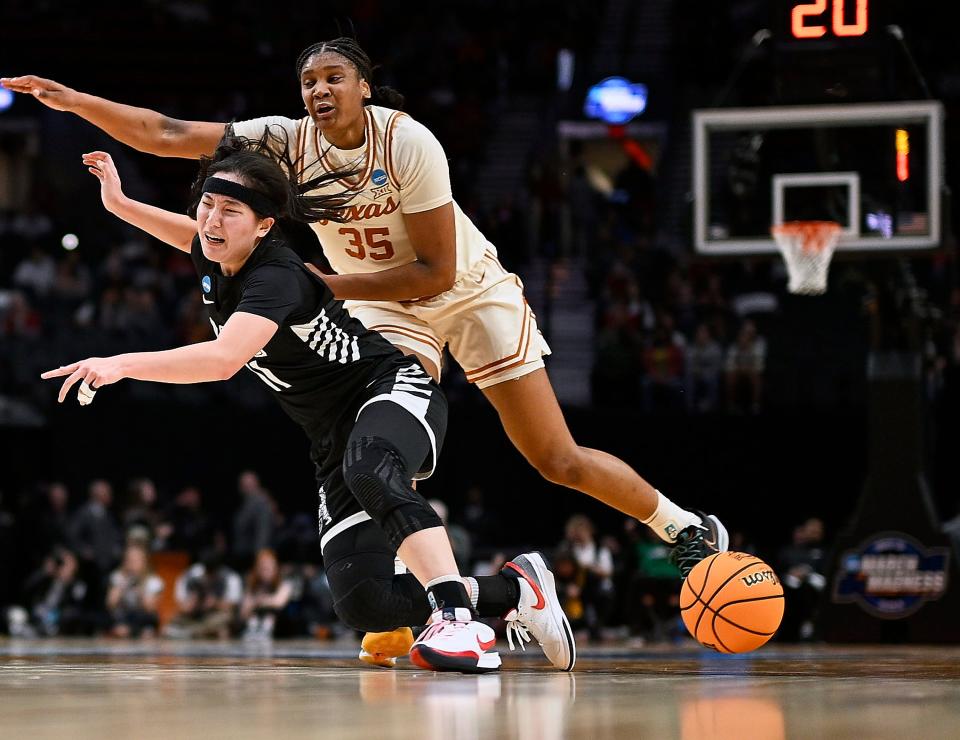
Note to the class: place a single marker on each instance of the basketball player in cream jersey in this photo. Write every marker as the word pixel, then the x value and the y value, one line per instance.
pixel 413 267
pixel 402 170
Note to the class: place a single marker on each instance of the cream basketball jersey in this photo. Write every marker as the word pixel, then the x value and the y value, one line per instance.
pixel 401 169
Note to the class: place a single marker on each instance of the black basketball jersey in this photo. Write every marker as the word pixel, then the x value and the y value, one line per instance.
pixel 321 360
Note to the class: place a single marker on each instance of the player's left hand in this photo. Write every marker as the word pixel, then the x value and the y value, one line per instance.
pixel 101 165
pixel 94 372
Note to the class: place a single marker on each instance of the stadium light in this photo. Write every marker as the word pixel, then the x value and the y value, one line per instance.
pixel 615 100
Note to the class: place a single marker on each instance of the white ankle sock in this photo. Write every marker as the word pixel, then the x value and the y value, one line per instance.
pixel 447 579
pixel 473 588
pixel 669 519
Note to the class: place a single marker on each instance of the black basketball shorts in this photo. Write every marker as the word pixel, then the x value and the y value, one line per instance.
pixel 406 409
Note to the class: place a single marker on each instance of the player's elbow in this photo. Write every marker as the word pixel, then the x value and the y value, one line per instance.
pixel 159 137
pixel 174 139
pixel 227 369
pixel 227 365
pixel 443 278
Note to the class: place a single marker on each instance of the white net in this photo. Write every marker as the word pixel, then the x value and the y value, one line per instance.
pixel 807 247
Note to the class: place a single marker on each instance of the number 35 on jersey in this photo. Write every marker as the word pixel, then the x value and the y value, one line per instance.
pixel 364 243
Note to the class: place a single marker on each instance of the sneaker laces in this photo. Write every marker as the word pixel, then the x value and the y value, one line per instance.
pixel 440 626
pixel 686 552
pixel 450 625
pixel 454 624
pixel 515 627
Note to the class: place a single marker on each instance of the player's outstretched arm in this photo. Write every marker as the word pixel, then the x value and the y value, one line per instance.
pixel 142 128
pixel 175 229
pixel 241 338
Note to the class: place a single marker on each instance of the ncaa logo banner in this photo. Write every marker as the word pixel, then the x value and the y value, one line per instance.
pixel 891 575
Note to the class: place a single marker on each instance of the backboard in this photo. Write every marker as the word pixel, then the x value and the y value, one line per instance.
pixel 874 168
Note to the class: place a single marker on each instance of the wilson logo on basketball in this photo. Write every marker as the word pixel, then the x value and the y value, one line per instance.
pixel 764 575
pixel 371 210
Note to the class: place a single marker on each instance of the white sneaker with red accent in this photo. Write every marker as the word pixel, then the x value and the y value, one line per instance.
pixel 454 641
pixel 539 612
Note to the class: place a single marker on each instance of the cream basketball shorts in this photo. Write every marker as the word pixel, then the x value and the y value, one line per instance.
pixel 484 320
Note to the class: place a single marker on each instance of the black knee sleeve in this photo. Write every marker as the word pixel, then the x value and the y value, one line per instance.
pixel 366 594
pixel 382 604
pixel 376 474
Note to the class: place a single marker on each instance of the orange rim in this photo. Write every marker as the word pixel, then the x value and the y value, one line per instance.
pixel 815 235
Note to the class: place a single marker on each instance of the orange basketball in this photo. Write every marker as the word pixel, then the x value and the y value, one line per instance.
pixel 732 602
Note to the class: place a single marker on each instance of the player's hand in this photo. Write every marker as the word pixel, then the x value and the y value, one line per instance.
pixel 51 94
pixel 92 373
pixel 101 166
pixel 316 270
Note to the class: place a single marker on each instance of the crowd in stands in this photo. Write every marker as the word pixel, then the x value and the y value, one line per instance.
pixel 148 566
pixel 97 569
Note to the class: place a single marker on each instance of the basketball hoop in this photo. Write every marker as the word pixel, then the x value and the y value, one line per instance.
pixel 807 247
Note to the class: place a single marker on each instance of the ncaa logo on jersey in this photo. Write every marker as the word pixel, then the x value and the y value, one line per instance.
pixel 380 185
pixel 206 284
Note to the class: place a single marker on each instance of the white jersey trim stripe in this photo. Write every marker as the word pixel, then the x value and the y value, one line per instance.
pixel 412 389
pixel 411 403
pixel 267 376
pixel 342 526
pixel 417 405
pixel 328 340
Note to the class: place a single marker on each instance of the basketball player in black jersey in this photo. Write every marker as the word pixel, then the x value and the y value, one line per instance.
pixel 376 420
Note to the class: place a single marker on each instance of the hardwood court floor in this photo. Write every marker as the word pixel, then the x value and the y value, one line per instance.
pixel 116 690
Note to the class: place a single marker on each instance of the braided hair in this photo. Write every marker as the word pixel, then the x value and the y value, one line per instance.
pixel 350 50
pixel 264 165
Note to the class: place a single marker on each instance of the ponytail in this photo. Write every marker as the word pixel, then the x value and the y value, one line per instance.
pixel 387 97
pixel 264 165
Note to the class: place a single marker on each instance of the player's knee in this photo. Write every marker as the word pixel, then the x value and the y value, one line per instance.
pixel 561 466
pixel 376 475
pixel 367 607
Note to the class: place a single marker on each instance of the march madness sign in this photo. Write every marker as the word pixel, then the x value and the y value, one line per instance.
pixel 891 575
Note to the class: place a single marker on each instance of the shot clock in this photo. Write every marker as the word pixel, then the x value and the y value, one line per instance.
pixel 832 23
pixel 842 18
